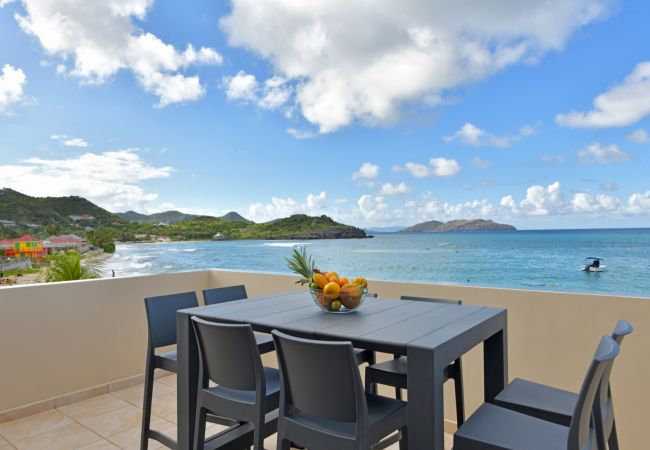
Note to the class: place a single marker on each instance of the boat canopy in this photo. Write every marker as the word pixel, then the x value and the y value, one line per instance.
pixel 595 259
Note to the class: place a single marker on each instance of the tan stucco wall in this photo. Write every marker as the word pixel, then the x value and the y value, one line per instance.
pixel 65 337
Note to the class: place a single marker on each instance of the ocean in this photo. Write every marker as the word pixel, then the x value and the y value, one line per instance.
pixel 538 260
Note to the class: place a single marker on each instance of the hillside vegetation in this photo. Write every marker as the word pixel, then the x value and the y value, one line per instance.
pixel 435 226
pixel 50 215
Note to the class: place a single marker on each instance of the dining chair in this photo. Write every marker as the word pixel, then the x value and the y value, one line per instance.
pixel 161 327
pixel 245 390
pixel 322 402
pixel 394 372
pixel 493 427
pixel 557 405
pixel 215 296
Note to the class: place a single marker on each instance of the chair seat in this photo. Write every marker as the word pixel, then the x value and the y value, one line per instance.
pixel 167 361
pixel 380 411
pixel 492 427
pixel 538 400
pixel 272 389
pixel 364 356
pixel 393 372
pixel 264 343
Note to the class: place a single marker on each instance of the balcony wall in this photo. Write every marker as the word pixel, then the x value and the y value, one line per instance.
pixel 56 339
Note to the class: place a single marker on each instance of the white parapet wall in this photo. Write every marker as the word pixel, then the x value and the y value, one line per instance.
pixel 60 338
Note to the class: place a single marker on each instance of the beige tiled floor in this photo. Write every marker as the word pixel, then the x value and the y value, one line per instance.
pixel 106 422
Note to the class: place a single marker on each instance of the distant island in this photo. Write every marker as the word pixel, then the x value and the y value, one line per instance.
pixel 46 216
pixel 435 226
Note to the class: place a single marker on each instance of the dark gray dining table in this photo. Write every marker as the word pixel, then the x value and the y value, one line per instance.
pixel 431 334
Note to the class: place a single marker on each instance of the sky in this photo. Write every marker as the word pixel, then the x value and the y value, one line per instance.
pixel 376 113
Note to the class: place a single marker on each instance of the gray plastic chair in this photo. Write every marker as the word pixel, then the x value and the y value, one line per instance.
pixel 394 372
pixel 215 296
pixel 322 402
pixel 557 405
pixel 492 427
pixel 245 391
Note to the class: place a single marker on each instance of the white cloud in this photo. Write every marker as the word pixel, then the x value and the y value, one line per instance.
pixel 280 207
pixel 470 134
pixel 395 189
pixel 69 141
pixel 622 105
pixel 406 51
pixel 300 134
pixel 272 94
pixel 639 136
pixel 341 201
pixel 481 163
pixel 101 39
pixel 12 83
pixel 5 2
pixel 373 208
pixel 316 201
pixel 367 171
pixel 602 154
pixel 439 167
pixel 111 179
pixel 444 167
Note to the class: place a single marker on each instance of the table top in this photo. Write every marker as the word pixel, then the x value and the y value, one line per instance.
pixel 379 324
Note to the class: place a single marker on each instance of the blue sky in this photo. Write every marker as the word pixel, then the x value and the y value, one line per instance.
pixel 535 115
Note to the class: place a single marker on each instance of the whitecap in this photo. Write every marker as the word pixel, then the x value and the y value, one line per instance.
pixel 285 244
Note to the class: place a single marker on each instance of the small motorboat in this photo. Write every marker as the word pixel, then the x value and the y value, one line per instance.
pixel 593 264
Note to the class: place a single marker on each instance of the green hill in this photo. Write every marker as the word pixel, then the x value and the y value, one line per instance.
pixel 42 211
pixel 171 217
pixel 435 226
pixel 164 217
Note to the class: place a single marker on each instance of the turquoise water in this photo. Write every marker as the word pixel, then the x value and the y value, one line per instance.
pixel 542 260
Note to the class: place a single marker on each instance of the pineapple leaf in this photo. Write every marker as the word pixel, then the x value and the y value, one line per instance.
pixel 302 264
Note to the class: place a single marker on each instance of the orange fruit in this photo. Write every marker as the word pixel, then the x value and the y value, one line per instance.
pixel 343 281
pixel 331 274
pixel 331 290
pixel 361 281
pixel 334 279
pixel 320 280
pixel 351 295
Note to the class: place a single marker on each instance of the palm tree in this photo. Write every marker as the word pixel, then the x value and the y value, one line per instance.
pixel 70 265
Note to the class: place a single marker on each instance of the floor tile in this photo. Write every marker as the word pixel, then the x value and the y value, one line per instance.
pixel 3 441
pixel 114 421
pixel 6 447
pixel 164 405
pixel 130 439
pixel 135 394
pixel 65 438
pixel 99 445
pixel 92 407
pixel 32 425
pixel 169 380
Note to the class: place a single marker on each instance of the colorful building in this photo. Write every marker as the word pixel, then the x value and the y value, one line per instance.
pixel 24 247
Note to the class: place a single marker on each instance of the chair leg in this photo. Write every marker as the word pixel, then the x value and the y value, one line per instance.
pixel 199 428
pixel 404 440
pixel 398 393
pixel 258 430
pixel 146 402
pixel 283 444
pixel 460 395
pixel 613 438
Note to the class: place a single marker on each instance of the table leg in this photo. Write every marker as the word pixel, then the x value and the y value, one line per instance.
pixel 495 362
pixel 187 376
pixel 426 421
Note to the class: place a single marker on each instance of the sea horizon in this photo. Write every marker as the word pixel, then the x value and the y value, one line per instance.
pixel 547 260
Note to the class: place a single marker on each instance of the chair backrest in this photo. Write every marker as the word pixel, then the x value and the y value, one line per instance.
pixel 228 355
pixel 581 436
pixel 161 316
pixel 432 300
pixel 224 294
pixel 320 379
pixel 604 408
